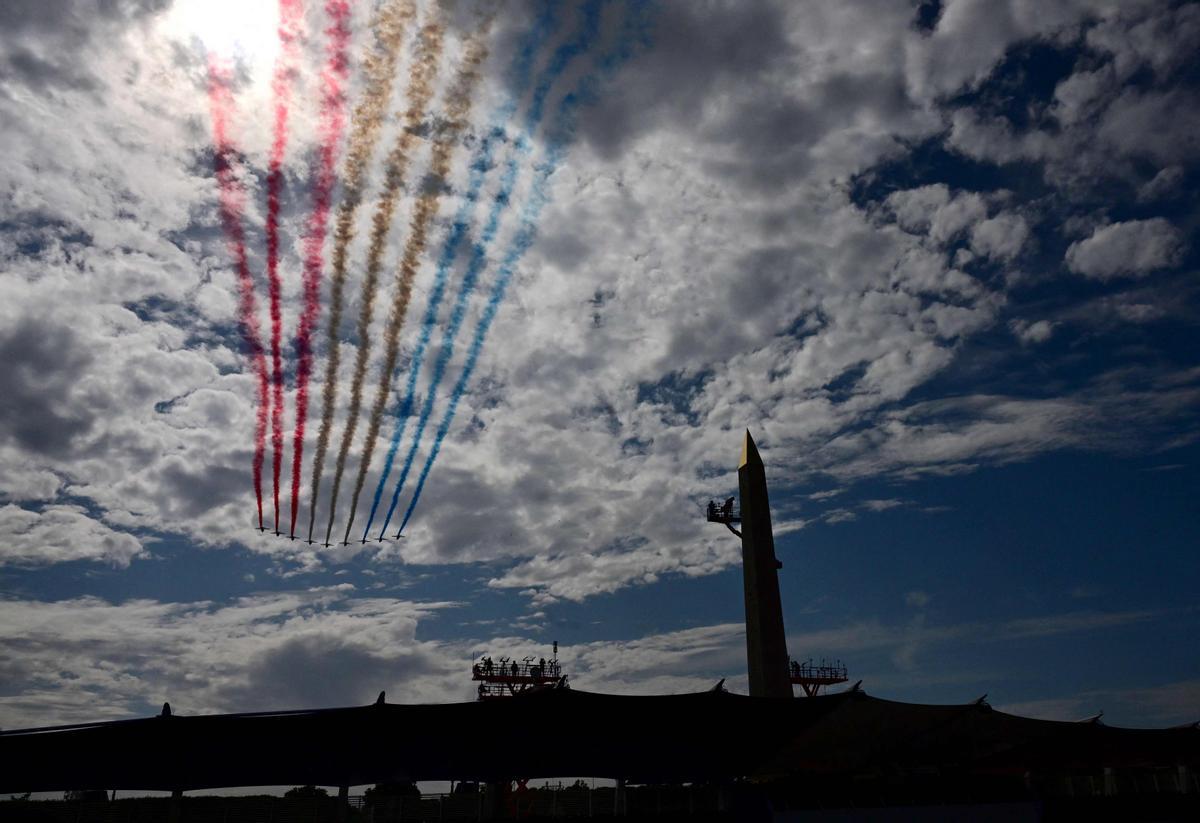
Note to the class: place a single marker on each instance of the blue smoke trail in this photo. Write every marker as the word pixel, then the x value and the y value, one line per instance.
pixel 519 77
pixel 633 33
pixel 578 44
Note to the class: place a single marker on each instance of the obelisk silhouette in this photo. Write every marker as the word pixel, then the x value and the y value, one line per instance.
pixel 766 649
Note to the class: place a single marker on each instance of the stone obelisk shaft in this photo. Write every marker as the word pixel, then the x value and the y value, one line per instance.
pixel 766 649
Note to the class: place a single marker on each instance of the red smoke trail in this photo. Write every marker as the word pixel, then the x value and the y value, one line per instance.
pixel 232 201
pixel 291 14
pixel 332 121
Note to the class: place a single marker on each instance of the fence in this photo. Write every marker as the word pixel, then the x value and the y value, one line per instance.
pixel 574 802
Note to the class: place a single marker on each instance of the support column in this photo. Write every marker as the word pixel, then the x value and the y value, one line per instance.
pixel 493 793
pixel 175 811
pixel 343 804
pixel 766 650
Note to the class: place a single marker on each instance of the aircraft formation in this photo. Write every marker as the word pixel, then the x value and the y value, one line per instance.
pixel 564 55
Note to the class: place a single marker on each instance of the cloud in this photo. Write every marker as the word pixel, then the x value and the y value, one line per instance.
pixel 881 505
pixel 41 42
pixel 1162 185
pixel 709 261
pixel 42 406
pixel 1130 249
pixel 951 435
pixel 685 660
pixel 934 210
pixel 88 659
pixel 1002 237
pixel 1100 127
pixel 1038 331
pixel 22 478
pixel 971 37
pixel 577 576
pixel 1162 704
pixel 59 533
pixel 325 668
pixel 1073 622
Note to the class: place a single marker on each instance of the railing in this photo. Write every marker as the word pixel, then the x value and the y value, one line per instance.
pixel 1143 785
pixel 505 672
pixel 570 802
pixel 835 673
pixel 723 514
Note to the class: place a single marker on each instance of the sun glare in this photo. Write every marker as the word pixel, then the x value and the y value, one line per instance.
pixel 241 29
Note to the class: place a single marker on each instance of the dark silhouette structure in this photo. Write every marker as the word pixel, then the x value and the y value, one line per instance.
pixel 812 677
pixel 698 737
pixel 766 650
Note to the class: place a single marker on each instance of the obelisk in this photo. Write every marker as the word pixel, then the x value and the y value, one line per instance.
pixel 766 649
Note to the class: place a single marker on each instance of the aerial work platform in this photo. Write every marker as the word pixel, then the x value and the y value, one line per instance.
pixel 811 677
pixel 508 676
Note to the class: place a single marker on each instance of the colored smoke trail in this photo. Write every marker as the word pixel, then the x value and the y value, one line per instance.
pixel 232 200
pixel 331 121
pixel 633 33
pixel 369 114
pixel 291 14
pixel 457 106
pixel 420 90
pixel 519 79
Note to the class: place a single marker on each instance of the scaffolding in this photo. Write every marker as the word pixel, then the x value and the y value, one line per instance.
pixel 812 676
pixel 508 676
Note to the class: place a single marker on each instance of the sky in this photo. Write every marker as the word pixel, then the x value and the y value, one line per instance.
pixel 939 258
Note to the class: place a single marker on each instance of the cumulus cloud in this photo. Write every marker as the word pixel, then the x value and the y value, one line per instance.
pixel 934 210
pixel 43 408
pixel 971 36
pixel 1131 249
pixel 59 533
pixel 1001 237
pixel 1098 127
pixel 89 659
pixel 1164 184
pixel 706 263
pixel 1038 331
